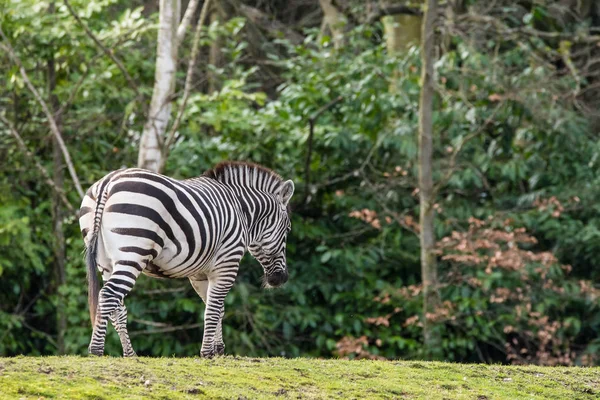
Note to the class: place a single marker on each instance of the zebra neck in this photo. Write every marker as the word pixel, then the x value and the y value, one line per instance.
pixel 255 206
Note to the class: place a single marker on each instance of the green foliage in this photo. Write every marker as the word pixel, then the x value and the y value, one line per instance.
pixel 21 269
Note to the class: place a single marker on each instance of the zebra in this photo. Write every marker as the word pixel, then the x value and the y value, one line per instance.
pixel 136 221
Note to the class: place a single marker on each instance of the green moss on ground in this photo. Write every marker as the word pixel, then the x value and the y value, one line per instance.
pixel 252 378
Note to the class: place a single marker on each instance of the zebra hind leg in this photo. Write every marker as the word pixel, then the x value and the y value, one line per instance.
pixel 119 321
pixel 116 287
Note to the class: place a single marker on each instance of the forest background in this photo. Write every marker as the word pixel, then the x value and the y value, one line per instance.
pixel 327 93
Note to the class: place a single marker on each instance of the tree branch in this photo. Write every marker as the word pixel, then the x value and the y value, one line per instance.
pixel 378 198
pixel 506 30
pixel 81 80
pixel 151 323
pixel 106 51
pixel 187 18
pixel 452 168
pixel 53 127
pixel 270 24
pixel 356 172
pixel 48 337
pixel 164 291
pixel 165 329
pixel 311 122
pixel 188 82
pixel 78 85
pixel 382 11
pixel 39 166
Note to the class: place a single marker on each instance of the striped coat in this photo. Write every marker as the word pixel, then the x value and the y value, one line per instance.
pixel 134 221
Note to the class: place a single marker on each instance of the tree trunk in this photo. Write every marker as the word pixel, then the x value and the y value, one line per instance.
pixel 57 210
pixel 431 297
pixel 59 247
pixel 335 21
pixel 150 155
pixel 402 31
pixel 214 55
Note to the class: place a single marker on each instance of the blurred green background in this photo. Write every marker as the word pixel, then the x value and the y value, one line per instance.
pixel 516 146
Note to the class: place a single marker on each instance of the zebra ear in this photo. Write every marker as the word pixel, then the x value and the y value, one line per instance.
pixel 286 191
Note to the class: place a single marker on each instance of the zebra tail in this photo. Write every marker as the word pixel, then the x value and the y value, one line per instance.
pixel 91 258
pixel 92 276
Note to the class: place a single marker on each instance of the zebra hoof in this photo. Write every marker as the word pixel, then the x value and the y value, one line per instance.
pixel 207 354
pixel 95 351
pixel 220 349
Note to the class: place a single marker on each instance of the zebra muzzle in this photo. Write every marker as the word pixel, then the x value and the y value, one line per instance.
pixel 277 278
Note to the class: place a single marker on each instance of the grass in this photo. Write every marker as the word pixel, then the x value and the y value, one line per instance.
pixel 276 378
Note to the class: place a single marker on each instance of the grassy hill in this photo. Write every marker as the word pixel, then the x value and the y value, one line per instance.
pixel 275 378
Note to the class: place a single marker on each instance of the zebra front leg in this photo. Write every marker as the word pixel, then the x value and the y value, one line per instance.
pixel 213 315
pixel 219 344
pixel 116 287
pixel 119 321
pixel 201 287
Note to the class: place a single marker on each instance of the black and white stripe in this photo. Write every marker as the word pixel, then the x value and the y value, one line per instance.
pixel 134 221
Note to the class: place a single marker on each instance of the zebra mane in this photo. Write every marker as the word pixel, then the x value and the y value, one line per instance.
pixel 244 172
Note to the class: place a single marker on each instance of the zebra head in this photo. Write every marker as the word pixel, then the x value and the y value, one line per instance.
pixel 269 247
